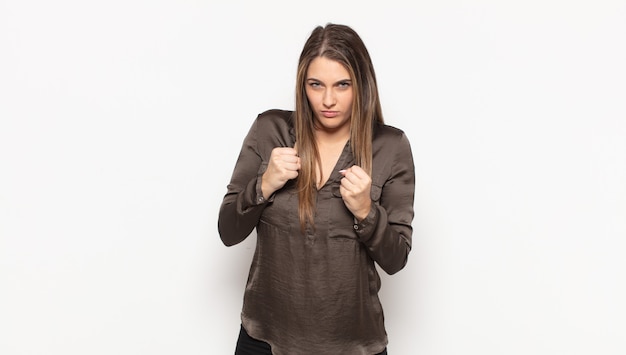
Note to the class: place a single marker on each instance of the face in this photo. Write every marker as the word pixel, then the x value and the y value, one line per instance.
pixel 329 91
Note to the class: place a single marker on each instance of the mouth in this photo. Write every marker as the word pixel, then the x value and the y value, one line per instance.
pixel 330 114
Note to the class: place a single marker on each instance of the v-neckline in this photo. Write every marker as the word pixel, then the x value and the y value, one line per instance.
pixel 341 163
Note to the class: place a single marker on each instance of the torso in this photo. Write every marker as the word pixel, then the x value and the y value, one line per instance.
pixel 304 283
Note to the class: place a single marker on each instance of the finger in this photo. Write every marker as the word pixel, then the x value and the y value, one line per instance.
pixel 359 172
pixel 291 174
pixel 347 194
pixel 286 151
pixel 292 163
pixel 348 185
pixel 351 177
pixel 289 159
pixel 292 166
pixel 358 177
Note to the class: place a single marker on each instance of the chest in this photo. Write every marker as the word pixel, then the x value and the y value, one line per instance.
pixel 330 155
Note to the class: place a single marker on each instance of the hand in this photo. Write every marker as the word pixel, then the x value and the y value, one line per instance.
pixel 355 191
pixel 283 166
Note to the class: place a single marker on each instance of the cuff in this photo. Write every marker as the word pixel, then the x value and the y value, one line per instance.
pixel 366 227
pixel 259 199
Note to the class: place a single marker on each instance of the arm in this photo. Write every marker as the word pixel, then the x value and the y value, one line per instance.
pixel 243 203
pixel 386 230
pixel 256 177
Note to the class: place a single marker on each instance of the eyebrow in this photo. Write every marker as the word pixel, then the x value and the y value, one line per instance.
pixel 337 82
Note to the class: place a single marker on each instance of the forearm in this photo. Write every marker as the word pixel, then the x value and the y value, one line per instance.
pixel 239 213
pixel 387 243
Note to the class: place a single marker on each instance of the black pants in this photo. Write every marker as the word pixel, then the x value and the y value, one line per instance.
pixel 247 345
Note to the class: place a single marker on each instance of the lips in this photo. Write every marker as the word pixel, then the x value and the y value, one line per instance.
pixel 330 114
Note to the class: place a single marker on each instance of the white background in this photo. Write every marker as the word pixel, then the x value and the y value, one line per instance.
pixel 121 121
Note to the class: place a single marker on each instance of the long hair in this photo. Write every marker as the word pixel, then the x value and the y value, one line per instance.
pixel 342 44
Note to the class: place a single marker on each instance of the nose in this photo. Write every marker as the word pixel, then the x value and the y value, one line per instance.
pixel 329 98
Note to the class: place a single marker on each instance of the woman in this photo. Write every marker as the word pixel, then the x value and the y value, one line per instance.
pixel 329 189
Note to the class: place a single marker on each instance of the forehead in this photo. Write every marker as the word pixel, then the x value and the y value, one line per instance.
pixel 323 68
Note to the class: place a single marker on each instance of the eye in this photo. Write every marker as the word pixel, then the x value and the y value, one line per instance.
pixel 344 84
pixel 314 84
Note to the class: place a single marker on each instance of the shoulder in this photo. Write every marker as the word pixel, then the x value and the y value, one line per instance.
pixel 386 133
pixel 390 143
pixel 274 128
pixel 391 153
pixel 275 117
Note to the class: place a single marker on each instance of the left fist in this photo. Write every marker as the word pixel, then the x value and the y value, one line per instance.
pixel 355 191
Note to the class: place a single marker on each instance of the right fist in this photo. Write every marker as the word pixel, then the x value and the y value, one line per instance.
pixel 283 166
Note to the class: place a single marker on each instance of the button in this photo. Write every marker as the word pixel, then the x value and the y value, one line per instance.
pixel 356 227
pixel 260 199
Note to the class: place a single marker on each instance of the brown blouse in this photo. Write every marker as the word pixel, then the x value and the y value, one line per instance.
pixel 317 292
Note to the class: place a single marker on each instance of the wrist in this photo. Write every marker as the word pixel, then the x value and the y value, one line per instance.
pixel 266 191
pixel 363 213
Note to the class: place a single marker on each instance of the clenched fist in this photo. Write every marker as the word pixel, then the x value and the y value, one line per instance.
pixel 283 166
pixel 355 191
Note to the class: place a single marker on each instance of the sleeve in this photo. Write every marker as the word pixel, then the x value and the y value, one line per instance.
pixel 386 231
pixel 243 203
